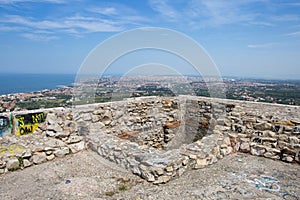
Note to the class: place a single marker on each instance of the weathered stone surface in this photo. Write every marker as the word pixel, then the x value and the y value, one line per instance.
pixel 26 163
pixel 26 154
pixel 39 158
pixel 169 169
pixel 147 175
pixel 50 157
pixel 54 143
pixel 263 126
pixel 257 151
pixel 149 124
pixel 293 140
pixel 74 139
pixel 38 149
pixel 200 163
pixel 288 122
pixel 54 127
pixel 158 171
pixel 50 133
pixel 283 138
pixel 172 124
pixel 62 134
pixel 76 147
pixel 61 152
pixel 13 164
pixel 245 147
pixel 106 120
pixel 162 179
pixel 95 118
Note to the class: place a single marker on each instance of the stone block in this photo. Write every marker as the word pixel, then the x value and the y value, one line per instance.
pixel 54 143
pixel 62 134
pixel 61 152
pixel 74 139
pixel 50 157
pixel 162 179
pixel 263 126
pixel 294 140
pixel 172 124
pixel 39 158
pixel 13 164
pixel 26 163
pixel 257 151
pixel 245 147
pixel 76 147
pixel 200 163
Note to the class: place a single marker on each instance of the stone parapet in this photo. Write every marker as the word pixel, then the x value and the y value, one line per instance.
pixel 157 138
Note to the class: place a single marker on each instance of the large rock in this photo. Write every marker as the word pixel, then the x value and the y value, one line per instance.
pixel 263 126
pixel 55 143
pixel 26 163
pixel 257 151
pixel 146 174
pixel 162 179
pixel 62 134
pixel 39 158
pixel 54 127
pixel 200 163
pixel 76 147
pixel 61 152
pixel 245 147
pixel 13 164
pixel 95 118
pixel 172 124
pixel 106 120
pixel 86 117
pixel 74 139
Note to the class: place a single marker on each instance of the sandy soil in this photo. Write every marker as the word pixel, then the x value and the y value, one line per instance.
pixel 88 176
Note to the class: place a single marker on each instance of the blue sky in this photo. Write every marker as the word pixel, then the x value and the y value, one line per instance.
pixel 249 38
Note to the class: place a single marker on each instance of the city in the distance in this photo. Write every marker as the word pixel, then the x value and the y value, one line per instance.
pixel 114 88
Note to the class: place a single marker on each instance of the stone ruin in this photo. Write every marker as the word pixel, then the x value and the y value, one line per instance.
pixel 159 138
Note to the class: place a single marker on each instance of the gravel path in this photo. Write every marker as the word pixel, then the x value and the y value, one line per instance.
pixel 88 176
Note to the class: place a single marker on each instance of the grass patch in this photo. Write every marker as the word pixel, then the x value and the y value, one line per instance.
pixel 123 188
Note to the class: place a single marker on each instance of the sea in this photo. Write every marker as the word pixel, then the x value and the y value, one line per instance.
pixel 20 83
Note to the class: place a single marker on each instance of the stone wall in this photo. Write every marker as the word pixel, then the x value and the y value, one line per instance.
pixel 157 138
pixel 34 141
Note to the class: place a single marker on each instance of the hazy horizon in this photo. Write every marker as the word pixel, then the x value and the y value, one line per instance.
pixel 187 75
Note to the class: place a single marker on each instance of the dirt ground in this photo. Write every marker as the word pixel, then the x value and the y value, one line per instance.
pixel 88 176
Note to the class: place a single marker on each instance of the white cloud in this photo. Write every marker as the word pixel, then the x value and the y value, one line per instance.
pixel 203 13
pixel 208 13
pixel 85 24
pixel 266 45
pixel 39 37
pixel 105 10
pixel 112 17
pixel 10 28
pixel 164 8
pixel 293 34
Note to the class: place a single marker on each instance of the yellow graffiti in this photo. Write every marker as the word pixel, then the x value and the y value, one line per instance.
pixel 27 129
pixel 29 123
pixel 21 121
pixel 12 149
pixel 38 118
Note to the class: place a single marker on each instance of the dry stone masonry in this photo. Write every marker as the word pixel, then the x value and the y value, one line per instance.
pixel 154 137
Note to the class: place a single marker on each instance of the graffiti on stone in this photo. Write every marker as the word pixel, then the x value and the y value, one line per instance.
pixel 28 123
pixel 5 126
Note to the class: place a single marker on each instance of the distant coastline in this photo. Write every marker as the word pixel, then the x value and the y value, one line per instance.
pixel 11 83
